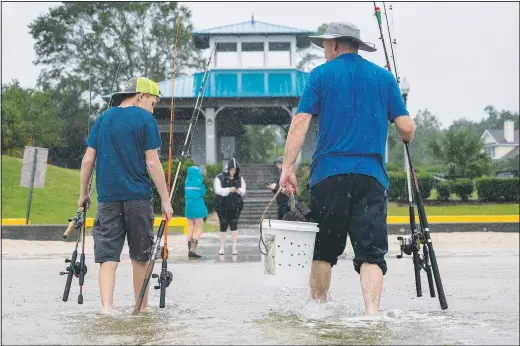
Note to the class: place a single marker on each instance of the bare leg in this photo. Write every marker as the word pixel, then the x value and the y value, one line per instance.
pixel 222 242
pixel 320 280
pixel 234 240
pixel 198 228
pixel 139 274
pixel 191 226
pixel 371 277
pixel 107 281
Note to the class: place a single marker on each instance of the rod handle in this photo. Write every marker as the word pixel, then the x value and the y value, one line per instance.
pixel 69 229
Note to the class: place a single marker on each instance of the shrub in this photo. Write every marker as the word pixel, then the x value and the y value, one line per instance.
pixel 498 189
pixel 393 167
pixel 397 190
pixel 463 188
pixel 178 198
pixel 212 170
pixel 425 184
pixel 444 190
pixel 398 185
pixel 304 192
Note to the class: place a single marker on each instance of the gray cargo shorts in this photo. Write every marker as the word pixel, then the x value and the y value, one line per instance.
pixel 114 220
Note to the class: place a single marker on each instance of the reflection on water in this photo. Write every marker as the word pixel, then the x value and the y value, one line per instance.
pixel 224 301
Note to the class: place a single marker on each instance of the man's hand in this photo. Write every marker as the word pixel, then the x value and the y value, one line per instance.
pixel 84 199
pixel 289 182
pixel 166 209
pixel 271 186
pixel 232 190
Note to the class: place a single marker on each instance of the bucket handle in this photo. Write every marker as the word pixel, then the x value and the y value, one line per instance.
pixel 269 205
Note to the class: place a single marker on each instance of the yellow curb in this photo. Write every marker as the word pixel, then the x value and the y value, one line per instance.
pixel 458 219
pixel 10 222
pixel 174 222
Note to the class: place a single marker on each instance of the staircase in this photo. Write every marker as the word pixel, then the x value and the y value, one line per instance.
pixel 257 195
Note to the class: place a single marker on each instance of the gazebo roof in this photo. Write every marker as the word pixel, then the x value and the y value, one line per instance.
pixel 251 28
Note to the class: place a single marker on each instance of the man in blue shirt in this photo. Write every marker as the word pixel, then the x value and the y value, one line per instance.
pixel 355 99
pixel 124 141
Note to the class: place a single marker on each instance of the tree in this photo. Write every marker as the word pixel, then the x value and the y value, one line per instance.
pixel 84 39
pixel 29 117
pixel 494 120
pixel 77 119
pixel 460 150
pixel 256 144
pixel 428 129
pixel 310 53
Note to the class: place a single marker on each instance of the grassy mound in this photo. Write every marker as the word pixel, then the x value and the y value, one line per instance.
pixel 53 204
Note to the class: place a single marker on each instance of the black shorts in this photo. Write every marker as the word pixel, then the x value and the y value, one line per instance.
pixel 114 220
pixel 353 204
pixel 228 215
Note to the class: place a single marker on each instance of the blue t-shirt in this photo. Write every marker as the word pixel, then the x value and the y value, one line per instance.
pixel 355 100
pixel 121 136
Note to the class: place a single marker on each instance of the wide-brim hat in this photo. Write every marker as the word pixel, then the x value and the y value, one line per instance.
pixel 346 30
pixel 136 85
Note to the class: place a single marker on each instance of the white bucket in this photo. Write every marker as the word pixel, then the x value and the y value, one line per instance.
pixel 289 248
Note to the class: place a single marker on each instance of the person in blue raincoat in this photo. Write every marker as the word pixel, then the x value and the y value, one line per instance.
pixel 195 208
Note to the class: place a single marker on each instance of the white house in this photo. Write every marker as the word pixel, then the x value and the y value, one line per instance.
pixel 499 143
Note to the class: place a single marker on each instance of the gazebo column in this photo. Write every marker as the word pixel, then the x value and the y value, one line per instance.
pixel 211 137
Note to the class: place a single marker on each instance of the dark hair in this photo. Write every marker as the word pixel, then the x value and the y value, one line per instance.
pixel 348 42
pixel 127 96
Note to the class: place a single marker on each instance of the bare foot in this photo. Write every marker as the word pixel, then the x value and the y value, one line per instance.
pixel 108 310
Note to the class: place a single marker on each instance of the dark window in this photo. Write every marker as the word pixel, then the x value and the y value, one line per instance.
pixel 279 46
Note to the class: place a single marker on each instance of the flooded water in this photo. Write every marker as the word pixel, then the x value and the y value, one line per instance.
pixel 224 301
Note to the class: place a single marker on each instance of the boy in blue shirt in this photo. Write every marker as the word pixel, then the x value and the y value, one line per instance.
pixel 124 140
pixel 355 100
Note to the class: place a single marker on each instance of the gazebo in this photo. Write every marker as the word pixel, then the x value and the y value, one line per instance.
pixel 253 80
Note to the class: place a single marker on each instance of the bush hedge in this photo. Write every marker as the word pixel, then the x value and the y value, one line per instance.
pixel 397 189
pixel 498 189
pixel 444 189
pixel 462 188
pixel 178 201
pixel 398 185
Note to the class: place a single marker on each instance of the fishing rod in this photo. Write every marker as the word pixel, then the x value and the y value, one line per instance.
pixel 165 279
pixel 421 237
pixel 79 269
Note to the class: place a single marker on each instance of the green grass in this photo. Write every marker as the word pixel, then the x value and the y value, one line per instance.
pixel 53 204
pixel 57 201
pixel 480 209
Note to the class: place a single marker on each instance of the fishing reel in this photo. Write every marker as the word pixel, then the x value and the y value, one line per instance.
pixel 165 278
pixel 407 246
pixel 76 269
pixel 163 281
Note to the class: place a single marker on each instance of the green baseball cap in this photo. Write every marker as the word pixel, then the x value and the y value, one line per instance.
pixel 136 85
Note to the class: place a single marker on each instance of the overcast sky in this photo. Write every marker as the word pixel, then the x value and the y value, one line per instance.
pixel 457 57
